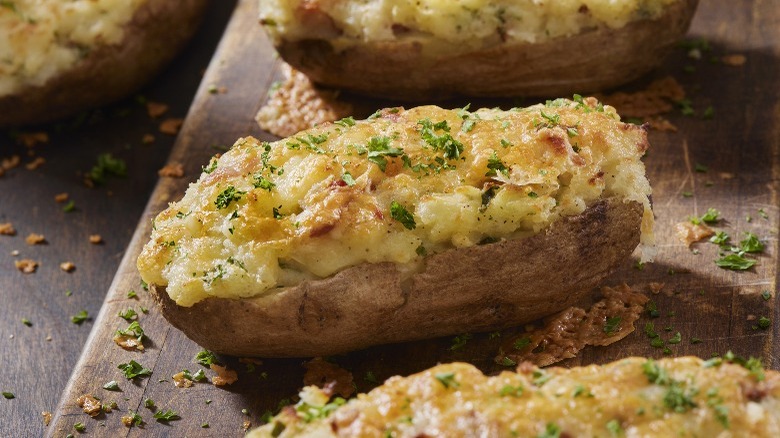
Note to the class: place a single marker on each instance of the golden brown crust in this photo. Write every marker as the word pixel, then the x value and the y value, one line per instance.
pixel 109 73
pixel 591 61
pixel 479 288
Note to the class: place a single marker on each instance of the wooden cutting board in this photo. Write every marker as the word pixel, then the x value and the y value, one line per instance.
pixel 730 162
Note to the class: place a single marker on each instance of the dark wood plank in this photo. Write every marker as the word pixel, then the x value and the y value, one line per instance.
pixel 35 369
pixel 699 300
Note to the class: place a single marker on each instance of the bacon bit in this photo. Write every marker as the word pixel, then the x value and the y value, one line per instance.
pixel 688 232
pixel 224 375
pixel 127 420
pixel 566 333
pixel 734 60
pixel 46 417
pixel 26 266
pixel 147 139
pixel 128 342
pixel 7 229
pixel 95 239
pixel 726 175
pixel 661 124
pixel 30 139
pixel 172 170
pixel 658 98
pixel 298 104
pixel 180 381
pixel 246 425
pixel 751 317
pixel 10 163
pixel 156 109
pixel 35 239
pixel 89 404
pixel 655 288
pixel 67 266
pixel 171 126
pixel 323 373
pixel 36 163
pixel 61 197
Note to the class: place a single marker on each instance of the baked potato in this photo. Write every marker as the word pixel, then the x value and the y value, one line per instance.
pixel 61 57
pixel 408 225
pixel 633 397
pixel 434 49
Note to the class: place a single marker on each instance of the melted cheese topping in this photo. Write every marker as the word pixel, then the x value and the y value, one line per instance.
pixel 464 24
pixel 634 397
pixel 389 189
pixel 41 38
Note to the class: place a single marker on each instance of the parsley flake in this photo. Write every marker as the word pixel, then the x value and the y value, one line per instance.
pixel 402 215
pixel 447 379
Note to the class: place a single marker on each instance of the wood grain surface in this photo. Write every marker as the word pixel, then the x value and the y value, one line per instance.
pixel 714 310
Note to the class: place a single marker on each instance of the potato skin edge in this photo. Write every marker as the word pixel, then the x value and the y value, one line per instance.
pixel 480 288
pixel 110 72
pixel 588 62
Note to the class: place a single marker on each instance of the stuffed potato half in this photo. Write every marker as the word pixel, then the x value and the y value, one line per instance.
pixel 58 58
pixel 433 49
pixel 411 224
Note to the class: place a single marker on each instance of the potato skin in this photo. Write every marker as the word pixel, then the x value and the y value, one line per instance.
pixel 479 288
pixel 157 31
pixel 588 62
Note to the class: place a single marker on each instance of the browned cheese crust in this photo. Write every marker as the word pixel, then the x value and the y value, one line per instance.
pixel 108 73
pixel 480 288
pixel 591 61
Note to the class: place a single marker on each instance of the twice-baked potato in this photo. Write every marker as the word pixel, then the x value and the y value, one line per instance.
pixel 60 57
pixel 411 224
pixel 433 49
pixel 633 397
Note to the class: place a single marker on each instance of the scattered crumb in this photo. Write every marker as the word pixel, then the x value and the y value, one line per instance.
pixel 127 420
pixel 655 288
pixel 67 266
pixel 224 375
pixel 36 163
pixel 658 98
pixel 46 417
pixel 26 266
pixel 171 126
pixel 566 333
pixel 10 163
pixel 89 404
pixel 246 425
pixel 95 239
pixel 734 60
pixel 751 317
pixel 180 381
pixel 297 105
pixel 30 139
pixel 7 229
pixel 128 342
pixel 726 175
pixel 214 89
pixel 662 124
pixel 147 139
pixel 172 170
pixel 156 109
pixel 688 232
pixel 48 338
pixel 323 373
pixel 35 239
pixel 15 252
pixel 61 197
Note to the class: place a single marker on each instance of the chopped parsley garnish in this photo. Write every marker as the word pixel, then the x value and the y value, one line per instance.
pixel 550 431
pixel 79 317
pixel 199 375
pixel 168 415
pixel 346 122
pixel 495 165
pixel 751 243
pixel 227 196
pixel 370 377
pixel 460 341
pixel 348 179
pixel 540 377
pixel 445 142
pixel 112 386
pixel 133 369
pixel 134 330
pixel 612 324
pixel 26 322
pixel 262 183
pixel 613 426
pixel 402 215
pixel 698 167
pixel 735 262
pixel 212 165
pixel 379 149
pixel 135 419
pixel 552 120
pixel 107 165
pixel 521 343
pixel 711 216
pixel 149 403
pixel 720 238
pixel 679 400
pixel 766 295
pixel 676 339
pixel 80 427
pixel 514 391
pixel 206 358
pixel 69 207
pixel 447 379
pixel 277 214
pixel 131 294
pixel 128 315
pixel 8 395
pixel 764 323
pixel 507 362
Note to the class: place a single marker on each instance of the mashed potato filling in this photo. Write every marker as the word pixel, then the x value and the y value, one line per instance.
pixel 40 39
pixel 396 187
pixel 464 24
